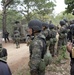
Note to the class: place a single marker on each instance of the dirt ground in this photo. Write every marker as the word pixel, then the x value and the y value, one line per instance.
pixel 17 58
pixel 18 61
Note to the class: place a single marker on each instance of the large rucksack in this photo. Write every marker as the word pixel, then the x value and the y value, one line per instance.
pixel 46 56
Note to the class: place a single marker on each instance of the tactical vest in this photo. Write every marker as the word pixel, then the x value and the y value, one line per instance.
pixel 44 48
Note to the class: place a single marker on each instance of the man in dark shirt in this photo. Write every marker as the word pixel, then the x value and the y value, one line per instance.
pixel 6 36
pixel 4 68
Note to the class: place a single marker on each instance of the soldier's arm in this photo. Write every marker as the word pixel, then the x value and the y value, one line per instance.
pixel 36 55
pixel 69 47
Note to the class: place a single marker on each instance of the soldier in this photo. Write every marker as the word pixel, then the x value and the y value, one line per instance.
pixel 66 21
pixel 69 28
pixel 47 32
pixel 50 22
pixel 6 37
pixel 37 48
pixel 17 38
pixel 62 36
pixel 52 39
pixel 4 68
pixel 16 26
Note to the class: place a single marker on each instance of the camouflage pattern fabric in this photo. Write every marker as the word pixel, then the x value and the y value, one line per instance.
pixel 47 56
pixel 47 33
pixel 36 47
pixel 62 36
pixel 17 38
pixel 52 42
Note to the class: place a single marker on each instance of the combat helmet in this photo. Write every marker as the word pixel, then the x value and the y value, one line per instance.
pixel 36 25
pixel 71 22
pixel 51 26
pixel 62 23
pixel 65 20
pixel 44 24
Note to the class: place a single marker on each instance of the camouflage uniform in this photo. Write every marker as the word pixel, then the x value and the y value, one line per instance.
pixel 70 28
pixel 46 32
pixel 16 27
pixel 36 55
pixel 62 39
pixel 37 49
pixel 47 56
pixel 52 39
pixel 17 38
pixel 62 34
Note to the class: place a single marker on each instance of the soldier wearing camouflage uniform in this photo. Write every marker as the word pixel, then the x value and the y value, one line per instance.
pixel 62 38
pixel 16 34
pixel 47 32
pixel 37 48
pixel 15 27
pixel 62 34
pixel 69 28
pixel 4 68
pixel 52 39
pixel 17 38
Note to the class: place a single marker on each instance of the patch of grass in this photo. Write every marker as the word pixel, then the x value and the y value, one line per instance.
pixel 62 54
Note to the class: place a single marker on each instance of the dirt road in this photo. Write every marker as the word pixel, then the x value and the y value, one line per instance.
pixel 17 58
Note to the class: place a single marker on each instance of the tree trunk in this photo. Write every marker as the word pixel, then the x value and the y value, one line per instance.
pixel 5 4
pixel 4 20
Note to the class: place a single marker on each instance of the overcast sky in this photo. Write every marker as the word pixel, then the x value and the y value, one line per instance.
pixel 60 6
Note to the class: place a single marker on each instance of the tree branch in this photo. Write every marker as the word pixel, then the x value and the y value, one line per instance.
pixel 8 2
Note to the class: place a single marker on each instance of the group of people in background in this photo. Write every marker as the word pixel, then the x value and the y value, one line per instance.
pixel 45 39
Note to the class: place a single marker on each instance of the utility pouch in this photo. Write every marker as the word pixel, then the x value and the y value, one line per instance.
pixel 47 58
pixel 42 65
